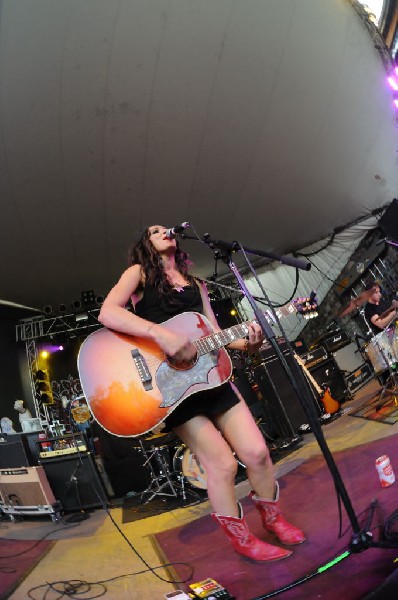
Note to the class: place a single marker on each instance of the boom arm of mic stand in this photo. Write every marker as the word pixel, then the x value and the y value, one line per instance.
pixel 229 247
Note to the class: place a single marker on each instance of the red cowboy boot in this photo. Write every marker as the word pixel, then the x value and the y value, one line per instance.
pixel 246 543
pixel 274 522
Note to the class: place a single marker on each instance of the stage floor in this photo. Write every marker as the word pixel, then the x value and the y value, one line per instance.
pixel 94 550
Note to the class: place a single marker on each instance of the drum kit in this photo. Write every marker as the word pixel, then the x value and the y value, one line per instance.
pixel 173 470
pixel 382 349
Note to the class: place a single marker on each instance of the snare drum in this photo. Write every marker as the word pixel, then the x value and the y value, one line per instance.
pixel 380 351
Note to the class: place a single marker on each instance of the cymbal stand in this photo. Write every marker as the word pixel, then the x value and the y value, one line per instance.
pixel 369 332
pixel 162 481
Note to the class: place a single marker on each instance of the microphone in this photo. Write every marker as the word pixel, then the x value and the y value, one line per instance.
pixel 171 233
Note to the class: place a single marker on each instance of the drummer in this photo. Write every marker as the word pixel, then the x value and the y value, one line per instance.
pixel 377 312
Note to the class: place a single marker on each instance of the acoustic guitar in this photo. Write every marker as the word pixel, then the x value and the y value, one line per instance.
pixel 131 386
pixel 330 405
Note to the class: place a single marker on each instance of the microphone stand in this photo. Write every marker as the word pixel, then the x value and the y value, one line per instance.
pixel 361 538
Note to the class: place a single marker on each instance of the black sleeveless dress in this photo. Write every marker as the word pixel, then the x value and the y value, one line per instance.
pixel 158 309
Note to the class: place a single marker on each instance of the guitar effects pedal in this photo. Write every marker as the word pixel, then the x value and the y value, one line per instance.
pixel 209 589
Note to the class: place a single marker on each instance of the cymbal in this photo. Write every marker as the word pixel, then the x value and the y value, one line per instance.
pixel 155 436
pixel 355 303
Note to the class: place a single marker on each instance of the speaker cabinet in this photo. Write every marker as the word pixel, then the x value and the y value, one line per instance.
pixel 284 407
pixel 13 454
pixel 328 374
pixel 124 461
pixel 25 487
pixel 348 358
pixel 19 450
pixel 75 482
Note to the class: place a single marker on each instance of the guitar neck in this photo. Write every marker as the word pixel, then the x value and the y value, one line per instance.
pixel 226 336
pixel 308 374
pixel 222 338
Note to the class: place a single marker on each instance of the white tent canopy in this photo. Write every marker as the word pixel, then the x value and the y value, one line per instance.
pixel 279 280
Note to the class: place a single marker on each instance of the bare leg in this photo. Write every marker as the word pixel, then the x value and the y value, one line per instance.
pixel 240 430
pixel 216 456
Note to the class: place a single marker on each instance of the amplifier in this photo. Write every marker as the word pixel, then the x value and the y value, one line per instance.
pixel 359 377
pixel 268 353
pixel 75 482
pixel 338 340
pixel 26 486
pixel 315 357
pixel 62 452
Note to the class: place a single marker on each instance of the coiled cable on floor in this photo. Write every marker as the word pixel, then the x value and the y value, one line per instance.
pixel 389 533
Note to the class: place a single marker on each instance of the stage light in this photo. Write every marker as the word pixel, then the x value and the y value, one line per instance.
pixel 393 83
pixel 307 306
pixel 48 309
pixel 43 387
pixel 44 353
pixel 233 312
pixel 62 308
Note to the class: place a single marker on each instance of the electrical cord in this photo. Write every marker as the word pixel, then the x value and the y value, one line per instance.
pixel 389 533
pixel 74 588
pixel 337 556
pixel 105 508
pixel 328 243
pixel 36 543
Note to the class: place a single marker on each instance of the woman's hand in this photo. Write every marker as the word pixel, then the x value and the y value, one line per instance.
pixel 177 347
pixel 256 337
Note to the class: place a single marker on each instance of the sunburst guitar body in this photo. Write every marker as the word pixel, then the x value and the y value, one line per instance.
pixel 131 387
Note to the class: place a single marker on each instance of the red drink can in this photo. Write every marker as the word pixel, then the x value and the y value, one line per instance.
pixel 385 471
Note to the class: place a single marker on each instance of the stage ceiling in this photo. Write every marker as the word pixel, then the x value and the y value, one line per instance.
pixel 268 122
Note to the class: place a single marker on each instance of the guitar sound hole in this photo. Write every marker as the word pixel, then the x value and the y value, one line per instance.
pixel 184 365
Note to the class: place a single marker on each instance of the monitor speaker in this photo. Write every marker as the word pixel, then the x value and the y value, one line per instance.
pixel 328 374
pixel 13 453
pixel 283 405
pixel 25 487
pixel 75 482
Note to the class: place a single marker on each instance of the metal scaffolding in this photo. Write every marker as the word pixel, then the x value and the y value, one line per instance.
pixel 33 329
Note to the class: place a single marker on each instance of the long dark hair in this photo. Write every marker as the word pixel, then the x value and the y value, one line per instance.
pixel 143 253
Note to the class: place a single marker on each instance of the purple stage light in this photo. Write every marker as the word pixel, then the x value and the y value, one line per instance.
pixel 393 83
pixel 51 348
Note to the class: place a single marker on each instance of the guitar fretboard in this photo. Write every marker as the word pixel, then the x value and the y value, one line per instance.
pixel 220 339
